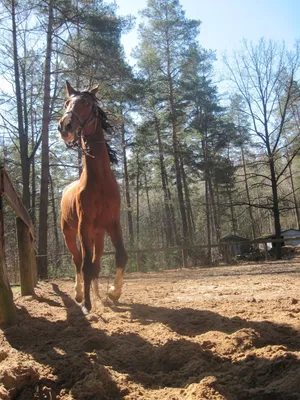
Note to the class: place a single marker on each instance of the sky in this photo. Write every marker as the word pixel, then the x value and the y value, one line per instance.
pixel 224 23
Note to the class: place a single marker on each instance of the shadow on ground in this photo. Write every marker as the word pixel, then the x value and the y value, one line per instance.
pixel 88 362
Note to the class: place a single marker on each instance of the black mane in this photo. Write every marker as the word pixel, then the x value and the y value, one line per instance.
pixel 112 154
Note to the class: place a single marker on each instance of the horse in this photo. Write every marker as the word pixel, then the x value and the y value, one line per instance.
pixel 90 206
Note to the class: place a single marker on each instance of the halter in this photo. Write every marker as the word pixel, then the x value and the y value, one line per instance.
pixel 88 121
pixel 80 137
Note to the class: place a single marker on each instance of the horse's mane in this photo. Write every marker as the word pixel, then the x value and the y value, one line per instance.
pixel 112 154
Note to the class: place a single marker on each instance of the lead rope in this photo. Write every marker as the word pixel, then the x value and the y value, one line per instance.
pixel 77 146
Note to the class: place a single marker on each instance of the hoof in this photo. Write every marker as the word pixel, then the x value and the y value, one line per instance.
pixel 113 295
pixel 78 298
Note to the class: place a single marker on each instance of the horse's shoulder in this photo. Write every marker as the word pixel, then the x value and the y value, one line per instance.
pixel 70 186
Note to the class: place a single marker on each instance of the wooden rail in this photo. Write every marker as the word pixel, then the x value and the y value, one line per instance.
pixel 26 250
pixel 225 246
pixel 8 191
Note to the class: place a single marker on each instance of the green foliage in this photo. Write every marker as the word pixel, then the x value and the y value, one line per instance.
pixel 169 126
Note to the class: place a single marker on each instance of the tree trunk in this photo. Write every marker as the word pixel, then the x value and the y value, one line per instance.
pixel 167 195
pixel 248 195
pixel 43 215
pixel 127 192
pixel 23 139
pixel 138 202
pixel 189 211
pixel 276 213
pixel 25 251
pixel 148 202
pixel 293 190
pixel 33 182
pixel 210 190
pixel 176 154
pixel 233 219
pixel 214 209
pixel 209 255
pixel 181 202
pixel 175 236
pixel 77 77
pixel 55 224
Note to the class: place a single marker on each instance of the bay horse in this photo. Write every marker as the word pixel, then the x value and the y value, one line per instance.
pixel 90 206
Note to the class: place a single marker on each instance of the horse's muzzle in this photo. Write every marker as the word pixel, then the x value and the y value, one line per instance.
pixel 64 130
pixel 65 134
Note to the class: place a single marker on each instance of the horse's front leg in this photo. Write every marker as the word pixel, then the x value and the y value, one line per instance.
pixel 115 233
pixel 70 240
pixel 85 233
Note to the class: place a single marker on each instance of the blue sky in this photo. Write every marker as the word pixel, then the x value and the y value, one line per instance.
pixel 226 22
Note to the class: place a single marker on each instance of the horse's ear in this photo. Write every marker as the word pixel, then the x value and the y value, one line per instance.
pixel 70 90
pixel 95 89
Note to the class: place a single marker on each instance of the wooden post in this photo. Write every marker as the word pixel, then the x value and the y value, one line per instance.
pixel 165 255
pixel 138 261
pixel 8 313
pixel 266 251
pixel 33 252
pixel 226 253
pixel 33 265
pixel 209 256
pixel 25 258
pixel 184 258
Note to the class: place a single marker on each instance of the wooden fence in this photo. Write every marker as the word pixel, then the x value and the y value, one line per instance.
pixel 26 251
pixel 224 249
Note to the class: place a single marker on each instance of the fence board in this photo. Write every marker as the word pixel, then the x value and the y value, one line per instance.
pixel 8 313
pixel 13 199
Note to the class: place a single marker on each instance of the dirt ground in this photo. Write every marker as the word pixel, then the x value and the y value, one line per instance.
pixel 219 333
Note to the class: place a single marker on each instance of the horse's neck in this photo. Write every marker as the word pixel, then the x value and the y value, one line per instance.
pixel 96 167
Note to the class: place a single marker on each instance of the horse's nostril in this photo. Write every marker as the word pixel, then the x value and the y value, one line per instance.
pixel 68 127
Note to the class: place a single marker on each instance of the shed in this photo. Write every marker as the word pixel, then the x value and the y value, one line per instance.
pixel 237 246
pixel 286 234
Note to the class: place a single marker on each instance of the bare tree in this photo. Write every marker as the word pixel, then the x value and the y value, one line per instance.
pixel 44 191
pixel 265 76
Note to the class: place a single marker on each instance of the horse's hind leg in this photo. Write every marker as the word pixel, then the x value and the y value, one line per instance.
pixel 98 250
pixel 115 233
pixel 70 240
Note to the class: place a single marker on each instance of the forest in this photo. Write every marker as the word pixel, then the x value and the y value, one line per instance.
pixel 194 164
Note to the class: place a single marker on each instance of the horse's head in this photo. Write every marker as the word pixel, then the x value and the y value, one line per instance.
pixel 81 114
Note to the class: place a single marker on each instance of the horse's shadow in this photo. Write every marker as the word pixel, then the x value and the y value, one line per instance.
pixel 88 361
pixel 191 322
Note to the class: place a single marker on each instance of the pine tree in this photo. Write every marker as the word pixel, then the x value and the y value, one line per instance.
pixel 166 39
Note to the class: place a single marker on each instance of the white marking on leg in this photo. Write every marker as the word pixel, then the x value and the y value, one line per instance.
pixel 116 289
pixel 84 310
pixel 78 288
pixel 99 306
pixel 95 287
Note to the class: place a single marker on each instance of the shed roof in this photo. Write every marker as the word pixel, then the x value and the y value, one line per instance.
pixel 232 238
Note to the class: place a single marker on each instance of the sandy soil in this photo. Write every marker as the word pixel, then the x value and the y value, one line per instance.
pixel 220 333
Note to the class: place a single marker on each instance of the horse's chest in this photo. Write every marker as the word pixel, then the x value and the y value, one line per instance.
pixel 104 210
